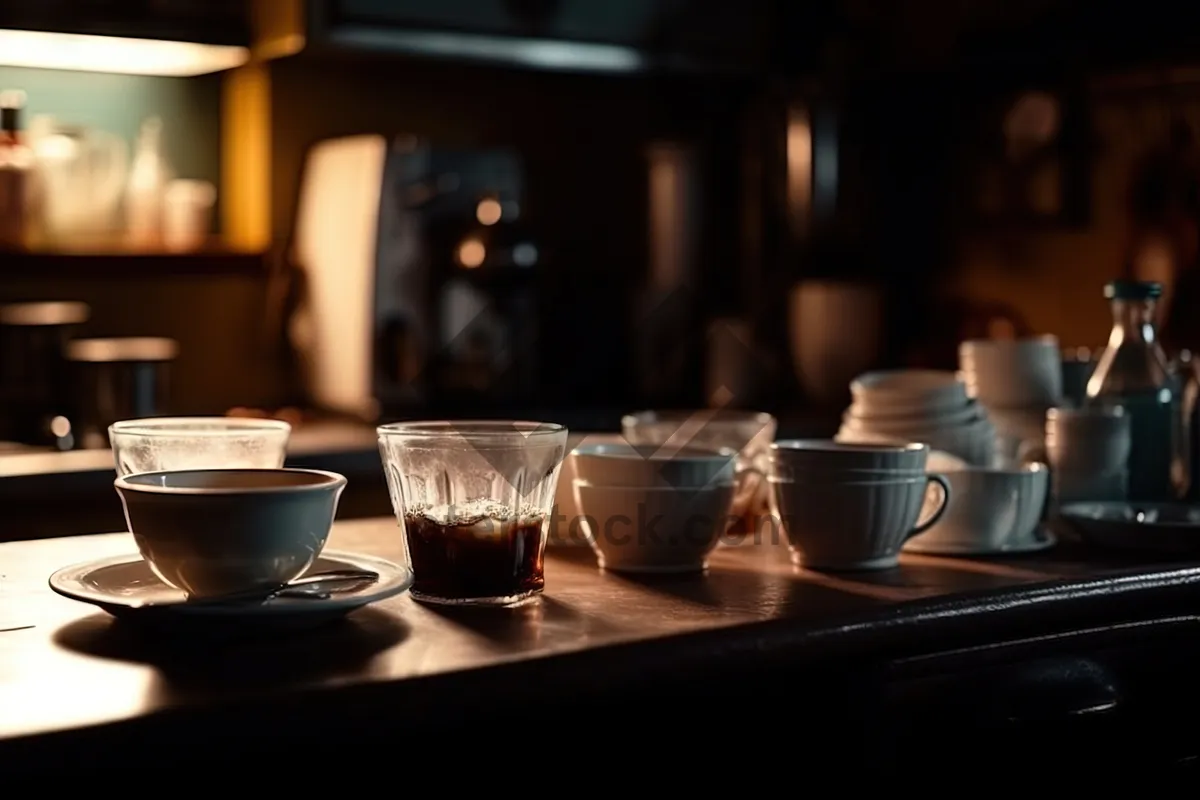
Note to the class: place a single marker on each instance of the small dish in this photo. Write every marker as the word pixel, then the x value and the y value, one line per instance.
pixel 1166 528
pixel 127 588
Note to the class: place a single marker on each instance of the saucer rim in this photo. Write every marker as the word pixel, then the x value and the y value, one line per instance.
pixel 1044 539
pixel 394 579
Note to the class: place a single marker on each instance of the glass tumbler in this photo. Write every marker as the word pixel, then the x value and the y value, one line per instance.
pixel 748 432
pixel 474 500
pixel 171 444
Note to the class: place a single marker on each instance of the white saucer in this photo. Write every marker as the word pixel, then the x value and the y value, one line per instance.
pixel 125 587
pixel 1043 539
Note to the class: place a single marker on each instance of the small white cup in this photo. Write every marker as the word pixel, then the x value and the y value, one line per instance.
pixel 1088 439
pixel 991 510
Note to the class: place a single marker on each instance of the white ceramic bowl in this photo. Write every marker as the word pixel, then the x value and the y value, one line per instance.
pixel 654 530
pixel 221 531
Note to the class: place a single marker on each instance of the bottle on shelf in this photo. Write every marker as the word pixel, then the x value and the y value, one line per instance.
pixel 16 173
pixel 145 193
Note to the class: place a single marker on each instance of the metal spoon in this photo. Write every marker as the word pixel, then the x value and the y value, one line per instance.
pixel 344 580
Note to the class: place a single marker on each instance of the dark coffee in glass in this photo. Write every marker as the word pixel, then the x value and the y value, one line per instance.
pixel 472 557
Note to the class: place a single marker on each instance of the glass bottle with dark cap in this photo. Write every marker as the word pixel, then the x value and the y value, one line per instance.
pixel 1133 373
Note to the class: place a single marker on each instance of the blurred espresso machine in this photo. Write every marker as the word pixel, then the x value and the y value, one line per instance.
pixel 417 278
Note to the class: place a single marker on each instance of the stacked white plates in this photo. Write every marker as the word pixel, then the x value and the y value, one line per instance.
pixel 919 406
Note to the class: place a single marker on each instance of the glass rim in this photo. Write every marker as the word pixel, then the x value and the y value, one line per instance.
pixel 471 429
pixel 717 415
pixel 197 426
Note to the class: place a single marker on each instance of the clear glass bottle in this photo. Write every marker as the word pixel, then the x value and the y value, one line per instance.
pixel 1133 372
pixel 16 173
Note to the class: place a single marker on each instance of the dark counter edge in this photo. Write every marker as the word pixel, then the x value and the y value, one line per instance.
pixel 659 671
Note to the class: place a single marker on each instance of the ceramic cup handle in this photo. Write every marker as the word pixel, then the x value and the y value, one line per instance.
pixel 924 525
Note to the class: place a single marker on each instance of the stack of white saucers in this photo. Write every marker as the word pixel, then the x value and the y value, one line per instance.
pixel 919 406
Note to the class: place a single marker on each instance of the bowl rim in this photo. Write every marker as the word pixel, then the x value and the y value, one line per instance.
pixel 834 446
pixel 177 427
pixel 583 483
pixel 695 455
pixel 709 416
pixel 131 483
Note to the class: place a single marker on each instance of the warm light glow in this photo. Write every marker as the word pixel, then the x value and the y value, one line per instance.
pixel 799 168
pixel 246 158
pixel 488 212
pixel 60 427
pixel 471 253
pixel 113 54
pixel 337 227
pixel 671 243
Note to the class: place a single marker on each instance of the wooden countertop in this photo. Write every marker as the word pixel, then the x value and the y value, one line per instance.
pixel 67 668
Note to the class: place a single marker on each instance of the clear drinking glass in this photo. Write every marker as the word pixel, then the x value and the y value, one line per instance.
pixel 181 443
pixel 748 432
pixel 474 500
